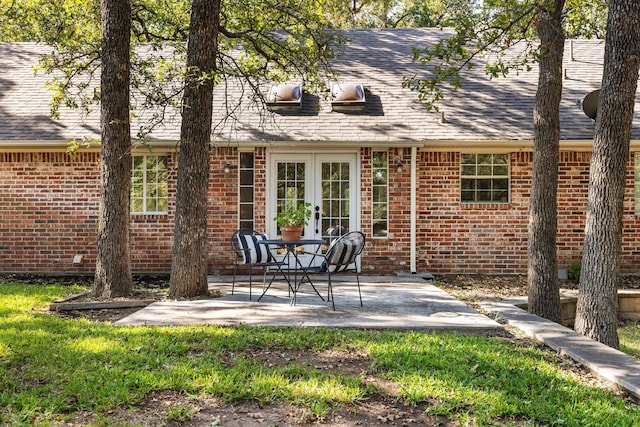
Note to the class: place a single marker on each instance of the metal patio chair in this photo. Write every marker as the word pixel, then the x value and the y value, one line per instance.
pixel 341 256
pixel 248 252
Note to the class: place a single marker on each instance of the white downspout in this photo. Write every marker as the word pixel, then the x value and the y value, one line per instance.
pixel 414 184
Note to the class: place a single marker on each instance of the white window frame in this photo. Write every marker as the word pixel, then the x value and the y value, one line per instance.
pixel 491 176
pixel 145 191
pixel 242 222
pixel 636 182
pixel 374 170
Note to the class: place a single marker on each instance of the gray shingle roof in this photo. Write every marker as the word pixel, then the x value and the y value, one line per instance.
pixel 483 109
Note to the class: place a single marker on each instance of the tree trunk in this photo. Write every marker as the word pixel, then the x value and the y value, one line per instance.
pixel 189 265
pixel 597 310
pixel 113 264
pixel 542 275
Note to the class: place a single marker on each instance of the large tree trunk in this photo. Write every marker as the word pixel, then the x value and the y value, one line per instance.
pixel 113 264
pixel 597 310
pixel 189 266
pixel 542 275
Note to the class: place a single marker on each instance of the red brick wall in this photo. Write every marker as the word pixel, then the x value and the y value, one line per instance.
pixel 492 238
pixel 573 181
pixel 387 255
pixel 459 237
pixel 223 204
pixel 49 214
pixel 48 211
pixel 152 235
pixel 49 208
pixel 223 207
pixel 630 257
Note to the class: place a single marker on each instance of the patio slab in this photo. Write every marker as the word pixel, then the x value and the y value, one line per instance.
pixel 389 302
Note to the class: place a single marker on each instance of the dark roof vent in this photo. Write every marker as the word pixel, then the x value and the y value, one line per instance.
pixel 347 97
pixel 285 97
pixel 590 104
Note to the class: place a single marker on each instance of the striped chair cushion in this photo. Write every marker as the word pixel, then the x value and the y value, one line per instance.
pixel 252 251
pixel 341 255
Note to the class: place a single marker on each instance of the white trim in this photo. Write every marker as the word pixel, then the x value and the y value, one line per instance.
pixel 318 145
pixel 452 145
pixel 145 184
pixel 413 210
pixel 343 147
pixel 94 146
pixel 497 147
pixel 313 192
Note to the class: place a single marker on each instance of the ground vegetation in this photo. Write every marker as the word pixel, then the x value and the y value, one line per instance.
pixel 77 371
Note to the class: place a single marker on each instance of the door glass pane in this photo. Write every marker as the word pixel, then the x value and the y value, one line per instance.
pixel 290 185
pixel 335 199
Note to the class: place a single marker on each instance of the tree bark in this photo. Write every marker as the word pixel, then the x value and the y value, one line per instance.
pixel 189 264
pixel 542 274
pixel 597 309
pixel 113 264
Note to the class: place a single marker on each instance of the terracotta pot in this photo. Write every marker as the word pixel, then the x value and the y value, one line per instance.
pixel 291 233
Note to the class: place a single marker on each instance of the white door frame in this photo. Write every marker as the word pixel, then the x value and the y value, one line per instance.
pixel 313 190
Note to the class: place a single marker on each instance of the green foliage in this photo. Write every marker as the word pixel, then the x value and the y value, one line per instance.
pixel 180 413
pixel 483 35
pixel 55 369
pixel 574 271
pixel 394 13
pixel 629 335
pixel 292 41
pixel 74 145
pixel 586 19
pixel 294 215
pixel 49 21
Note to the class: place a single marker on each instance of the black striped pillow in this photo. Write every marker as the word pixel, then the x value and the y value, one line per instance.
pixel 342 254
pixel 253 252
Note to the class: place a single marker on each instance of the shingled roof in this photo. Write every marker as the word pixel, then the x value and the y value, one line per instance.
pixel 484 109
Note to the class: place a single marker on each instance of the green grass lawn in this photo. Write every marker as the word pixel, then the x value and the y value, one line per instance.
pixel 629 335
pixel 52 368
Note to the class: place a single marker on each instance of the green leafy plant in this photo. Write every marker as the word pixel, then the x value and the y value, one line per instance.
pixel 296 216
pixel 180 413
pixel 574 271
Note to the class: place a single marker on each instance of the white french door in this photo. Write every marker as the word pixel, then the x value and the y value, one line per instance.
pixel 328 181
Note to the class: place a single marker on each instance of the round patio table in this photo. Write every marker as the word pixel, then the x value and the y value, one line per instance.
pixel 290 247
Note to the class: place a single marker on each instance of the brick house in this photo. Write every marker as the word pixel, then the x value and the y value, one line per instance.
pixel 443 192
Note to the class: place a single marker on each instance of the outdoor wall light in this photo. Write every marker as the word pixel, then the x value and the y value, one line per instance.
pixel 228 167
pixel 398 166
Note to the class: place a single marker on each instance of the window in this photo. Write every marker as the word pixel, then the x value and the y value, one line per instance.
pixel 380 198
pixel 636 182
pixel 149 188
pixel 246 189
pixel 484 178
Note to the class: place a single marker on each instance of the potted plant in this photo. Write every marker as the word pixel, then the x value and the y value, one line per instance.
pixel 292 221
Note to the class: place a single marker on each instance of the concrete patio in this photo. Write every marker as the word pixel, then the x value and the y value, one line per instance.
pixel 389 302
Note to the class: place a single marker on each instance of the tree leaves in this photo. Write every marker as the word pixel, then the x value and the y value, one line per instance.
pixel 260 41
